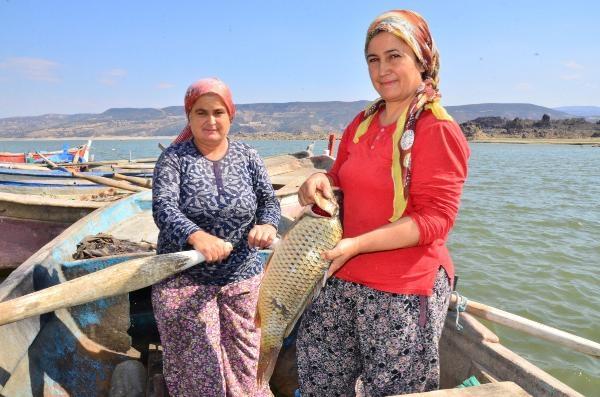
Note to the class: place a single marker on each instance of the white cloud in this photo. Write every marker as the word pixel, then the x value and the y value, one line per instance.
pixel 164 86
pixel 570 77
pixel 573 65
pixel 524 87
pixel 35 69
pixel 113 76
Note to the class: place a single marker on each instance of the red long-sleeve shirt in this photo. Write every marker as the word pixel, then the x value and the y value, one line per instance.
pixel 363 171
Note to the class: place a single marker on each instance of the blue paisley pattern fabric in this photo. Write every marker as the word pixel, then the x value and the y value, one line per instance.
pixel 225 198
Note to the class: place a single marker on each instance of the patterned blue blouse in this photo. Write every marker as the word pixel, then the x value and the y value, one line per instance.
pixel 225 198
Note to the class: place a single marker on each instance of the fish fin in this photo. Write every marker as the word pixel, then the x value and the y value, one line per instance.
pixel 257 318
pixel 266 365
pixel 316 290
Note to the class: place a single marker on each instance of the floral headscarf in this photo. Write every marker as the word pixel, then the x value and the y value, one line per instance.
pixel 195 91
pixel 412 29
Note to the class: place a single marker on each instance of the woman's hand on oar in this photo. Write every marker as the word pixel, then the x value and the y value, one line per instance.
pixel 529 326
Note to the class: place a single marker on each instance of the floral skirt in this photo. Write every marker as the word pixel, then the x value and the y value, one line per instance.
pixel 387 341
pixel 210 343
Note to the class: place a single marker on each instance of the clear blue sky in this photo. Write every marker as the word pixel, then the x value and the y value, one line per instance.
pixel 59 56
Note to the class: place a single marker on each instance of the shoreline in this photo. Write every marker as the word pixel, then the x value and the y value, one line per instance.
pixel 548 141
pixel 281 137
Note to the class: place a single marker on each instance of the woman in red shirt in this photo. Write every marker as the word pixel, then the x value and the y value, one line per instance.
pixel 401 166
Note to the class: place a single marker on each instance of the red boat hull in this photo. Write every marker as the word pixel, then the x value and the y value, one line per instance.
pixel 21 238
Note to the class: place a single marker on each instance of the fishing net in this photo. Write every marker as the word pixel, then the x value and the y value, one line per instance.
pixel 106 245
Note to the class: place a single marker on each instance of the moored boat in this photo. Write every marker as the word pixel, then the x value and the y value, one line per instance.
pixel 75 350
pixel 34 211
pixel 76 154
pixel 54 182
pixel 27 222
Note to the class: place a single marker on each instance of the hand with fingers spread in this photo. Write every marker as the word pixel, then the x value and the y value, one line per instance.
pixel 341 253
pixel 318 181
pixel 211 247
pixel 261 236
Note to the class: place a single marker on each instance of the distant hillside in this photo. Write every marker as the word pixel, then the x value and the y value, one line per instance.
pixel 546 127
pixel 505 110
pixel 257 118
pixel 581 111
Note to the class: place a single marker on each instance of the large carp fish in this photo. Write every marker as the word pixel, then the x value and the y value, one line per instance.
pixel 294 276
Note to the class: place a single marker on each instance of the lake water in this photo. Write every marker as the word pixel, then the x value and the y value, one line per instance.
pixel 527 239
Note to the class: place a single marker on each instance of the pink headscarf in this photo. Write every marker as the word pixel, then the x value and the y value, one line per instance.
pixel 195 91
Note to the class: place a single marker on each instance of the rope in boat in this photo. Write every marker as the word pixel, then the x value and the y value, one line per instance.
pixel 461 306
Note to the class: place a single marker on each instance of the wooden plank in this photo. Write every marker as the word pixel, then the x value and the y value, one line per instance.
pixel 134 179
pixel 504 389
pixel 96 179
pixel 468 351
pixel 291 187
pixel 108 182
pixel 531 327
pixel 31 200
pixel 108 162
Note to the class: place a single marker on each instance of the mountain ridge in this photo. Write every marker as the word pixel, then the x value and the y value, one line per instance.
pixel 257 118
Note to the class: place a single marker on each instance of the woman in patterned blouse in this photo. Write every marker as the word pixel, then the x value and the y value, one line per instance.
pixel 212 195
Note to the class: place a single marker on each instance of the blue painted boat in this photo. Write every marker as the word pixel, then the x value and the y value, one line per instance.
pixel 65 155
pixel 53 182
pixel 72 351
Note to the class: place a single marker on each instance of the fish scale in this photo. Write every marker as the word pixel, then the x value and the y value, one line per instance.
pixel 294 276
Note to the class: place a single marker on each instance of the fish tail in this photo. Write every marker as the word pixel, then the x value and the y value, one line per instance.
pixel 266 365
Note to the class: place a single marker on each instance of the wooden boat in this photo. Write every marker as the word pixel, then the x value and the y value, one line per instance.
pixel 54 182
pixel 28 222
pixel 66 155
pixel 77 350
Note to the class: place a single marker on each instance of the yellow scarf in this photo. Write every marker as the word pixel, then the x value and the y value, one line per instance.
pixel 403 139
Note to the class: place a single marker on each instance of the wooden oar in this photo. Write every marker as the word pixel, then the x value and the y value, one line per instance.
pixel 134 179
pixel 109 162
pixel 93 178
pixel 114 280
pixel 530 327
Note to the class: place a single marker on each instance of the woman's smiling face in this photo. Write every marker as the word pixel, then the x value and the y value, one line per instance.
pixel 393 67
pixel 209 120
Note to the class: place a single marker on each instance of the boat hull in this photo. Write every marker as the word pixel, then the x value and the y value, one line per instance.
pixel 51 354
pixel 56 156
pixel 23 237
pixel 74 351
pixel 29 222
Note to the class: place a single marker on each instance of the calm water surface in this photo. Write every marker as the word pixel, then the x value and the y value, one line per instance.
pixel 527 239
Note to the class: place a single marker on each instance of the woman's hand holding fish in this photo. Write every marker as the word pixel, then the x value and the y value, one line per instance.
pixel 211 247
pixel 341 253
pixel 318 181
pixel 262 236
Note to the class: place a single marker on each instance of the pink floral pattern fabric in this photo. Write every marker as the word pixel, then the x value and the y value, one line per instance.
pixel 210 343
